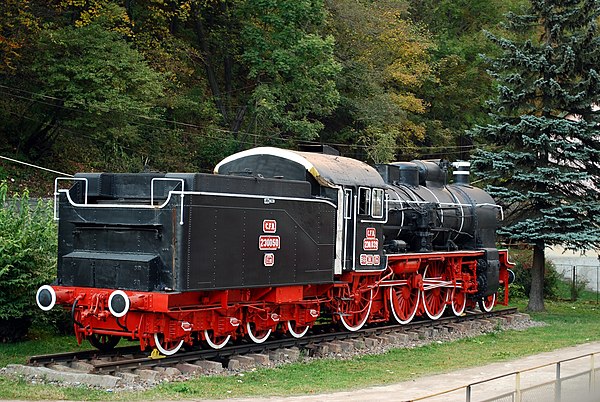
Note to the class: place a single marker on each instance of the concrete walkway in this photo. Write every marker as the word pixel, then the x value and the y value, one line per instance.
pixel 574 389
pixel 424 388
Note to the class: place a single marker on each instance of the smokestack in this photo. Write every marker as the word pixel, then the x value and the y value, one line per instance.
pixel 461 172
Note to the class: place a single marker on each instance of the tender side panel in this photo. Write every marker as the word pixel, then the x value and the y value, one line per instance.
pixel 249 241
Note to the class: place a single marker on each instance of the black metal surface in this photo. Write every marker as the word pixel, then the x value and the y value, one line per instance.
pixel 223 242
pixel 217 247
pixel 117 247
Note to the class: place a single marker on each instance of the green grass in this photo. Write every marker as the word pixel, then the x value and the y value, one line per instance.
pixel 568 323
pixel 40 342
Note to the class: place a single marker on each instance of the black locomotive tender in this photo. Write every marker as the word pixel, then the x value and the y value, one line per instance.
pixel 272 241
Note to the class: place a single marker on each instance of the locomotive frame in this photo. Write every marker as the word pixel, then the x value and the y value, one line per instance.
pixel 273 241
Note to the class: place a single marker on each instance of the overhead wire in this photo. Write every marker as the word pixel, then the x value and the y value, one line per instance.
pixel 35 166
pixel 454 149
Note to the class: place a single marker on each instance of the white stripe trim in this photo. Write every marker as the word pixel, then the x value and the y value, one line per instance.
pixel 281 153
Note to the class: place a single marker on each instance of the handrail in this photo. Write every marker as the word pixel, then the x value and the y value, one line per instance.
pixel 163 179
pixel 516 373
pixel 146 206
pixel 168 179
pixel 57 192
pixel 451 204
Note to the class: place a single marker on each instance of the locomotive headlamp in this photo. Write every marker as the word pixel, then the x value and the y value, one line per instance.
pixel 118 303
pixel 45 297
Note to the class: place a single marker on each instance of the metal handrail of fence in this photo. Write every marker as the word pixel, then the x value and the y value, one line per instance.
pixel 516 395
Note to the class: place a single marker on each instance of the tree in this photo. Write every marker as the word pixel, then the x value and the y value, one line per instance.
pixel 460 86
pixel 291 64
pixel 17 25
pixel 385 60
pixel 84 83
pixel 544 165
pixel 27 258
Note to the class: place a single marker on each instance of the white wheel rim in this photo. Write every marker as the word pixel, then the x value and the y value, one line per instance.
pixel 485 307
pixel 429 314
pixel 167 352
pixel 412 315
pixel 294 333
pixel 462 308
pixel 362 323
pixel 215 345
pixel 254 338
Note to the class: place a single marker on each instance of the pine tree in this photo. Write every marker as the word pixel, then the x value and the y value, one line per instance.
pixel 544 162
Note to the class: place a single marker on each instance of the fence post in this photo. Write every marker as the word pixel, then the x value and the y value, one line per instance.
pixel 518 386
pixel 597 273
pixel 557 385
pixel 592 374
pixel 468 396
pixel 574 284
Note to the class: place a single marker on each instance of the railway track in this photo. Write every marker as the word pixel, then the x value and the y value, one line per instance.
pixel 131 358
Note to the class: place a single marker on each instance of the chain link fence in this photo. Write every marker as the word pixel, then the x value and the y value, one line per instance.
pixel 581 277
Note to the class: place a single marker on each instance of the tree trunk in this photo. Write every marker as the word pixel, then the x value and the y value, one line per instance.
pixel 210 72
pixel 536 294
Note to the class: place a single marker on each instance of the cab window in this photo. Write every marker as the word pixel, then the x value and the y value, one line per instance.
pixel 364 201
pixel 348 204
pixel 377 203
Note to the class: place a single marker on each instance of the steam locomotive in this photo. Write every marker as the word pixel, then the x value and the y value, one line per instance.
pixel 272 241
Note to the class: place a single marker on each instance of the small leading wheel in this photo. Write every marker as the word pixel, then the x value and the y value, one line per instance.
pixel 487 303
pixel 435 294
pixel 257 336
pixel 354 310
pixel 166 348
pixel 459 301
pixel 297 331
pixel 104 343
pixel 215 342
pixel 404 302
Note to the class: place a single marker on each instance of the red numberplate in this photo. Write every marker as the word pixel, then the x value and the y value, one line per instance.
pixel 370 244
pixel 269 243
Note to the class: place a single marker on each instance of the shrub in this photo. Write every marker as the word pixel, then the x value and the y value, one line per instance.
pixel 28 244
pixel 523 260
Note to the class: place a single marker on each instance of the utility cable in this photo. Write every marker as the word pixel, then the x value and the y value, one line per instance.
pixel 36 166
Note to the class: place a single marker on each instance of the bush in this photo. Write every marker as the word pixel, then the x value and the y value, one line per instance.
pixel 523 260
pixel 28 242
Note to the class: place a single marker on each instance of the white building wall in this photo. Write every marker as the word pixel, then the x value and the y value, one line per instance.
pixel 587 265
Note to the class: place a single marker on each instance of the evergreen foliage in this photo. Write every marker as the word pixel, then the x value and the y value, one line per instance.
pixel 544 165
pixel 521 287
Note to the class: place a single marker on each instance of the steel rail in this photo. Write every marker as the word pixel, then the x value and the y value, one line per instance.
pixel 117 360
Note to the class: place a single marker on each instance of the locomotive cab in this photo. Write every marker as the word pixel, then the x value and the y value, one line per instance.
pixel 365 212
